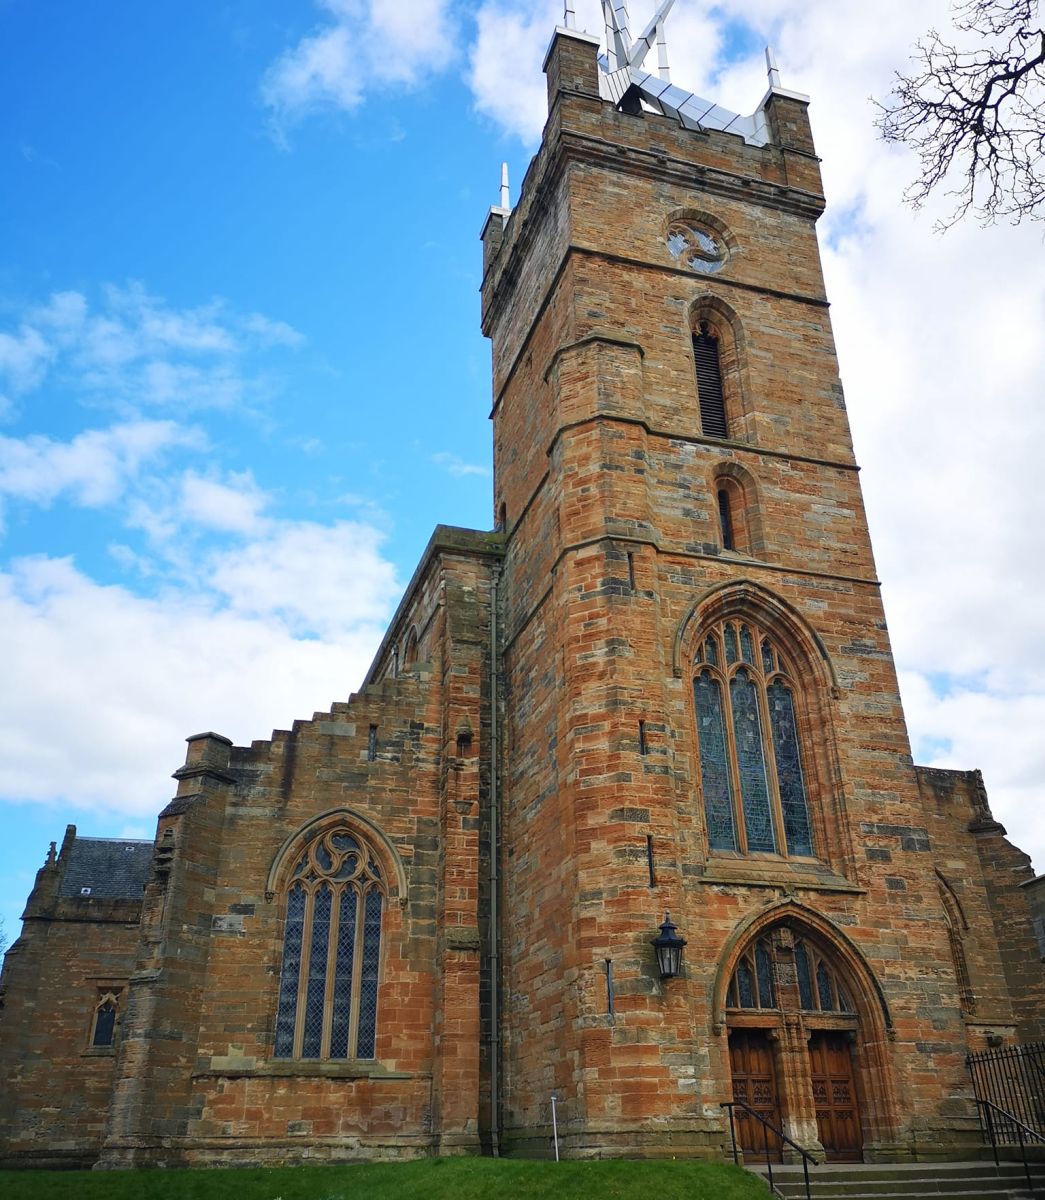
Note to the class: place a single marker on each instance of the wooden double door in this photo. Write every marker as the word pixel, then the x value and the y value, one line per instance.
pixel 831 1083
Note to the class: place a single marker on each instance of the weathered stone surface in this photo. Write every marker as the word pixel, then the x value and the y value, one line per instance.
pixel 608 566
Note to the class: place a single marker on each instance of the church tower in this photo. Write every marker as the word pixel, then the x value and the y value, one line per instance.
pixel 702 710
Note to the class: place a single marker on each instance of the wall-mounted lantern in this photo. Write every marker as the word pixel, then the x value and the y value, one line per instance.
pixel 668 946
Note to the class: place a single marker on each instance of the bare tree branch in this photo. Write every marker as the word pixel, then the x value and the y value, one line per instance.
pixel 975 113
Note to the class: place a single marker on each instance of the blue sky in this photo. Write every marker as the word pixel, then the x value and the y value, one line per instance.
pixel 241 375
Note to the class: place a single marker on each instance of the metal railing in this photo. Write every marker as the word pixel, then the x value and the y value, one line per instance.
pixel 1010 1124
pixel 1012 1078
pixel 767 1129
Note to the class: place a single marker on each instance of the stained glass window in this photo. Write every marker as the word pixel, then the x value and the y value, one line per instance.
pixel 767 656
pixel 823 988
pixel 764 968
pixel 342 999
pixel 789 769
pixel 746 984
pixel 754 788
pixel 805 976
pixel 368 983
pixel 755 797
pixel 714 765
pixel 317 973
pixel 747 649
pixel 288 984
pixel 328 989
pixel 819 987
pixel 752 983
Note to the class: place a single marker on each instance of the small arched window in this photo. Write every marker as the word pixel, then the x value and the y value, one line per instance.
pixel 410 657
pixel 750 756
pixel 328 985
pixel 725 518
pixel 710 392
pixel 103 1023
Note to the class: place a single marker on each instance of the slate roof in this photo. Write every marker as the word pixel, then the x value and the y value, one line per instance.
pixel 113 869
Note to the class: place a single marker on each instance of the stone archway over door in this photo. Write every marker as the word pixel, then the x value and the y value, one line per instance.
pixel 795 1027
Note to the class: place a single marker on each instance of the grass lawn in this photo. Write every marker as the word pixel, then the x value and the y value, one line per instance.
pixel 428 1179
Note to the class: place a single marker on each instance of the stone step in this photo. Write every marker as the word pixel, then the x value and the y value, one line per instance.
pixel 908 1181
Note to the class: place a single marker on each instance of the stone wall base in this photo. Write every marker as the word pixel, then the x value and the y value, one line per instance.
pixel 703 1144
pixel 272 1152
pixel 47 1160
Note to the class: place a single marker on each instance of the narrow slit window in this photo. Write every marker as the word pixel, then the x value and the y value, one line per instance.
pixel 371 744
pixel 643 745
pixel 631 570
pixel 649 860
pixel 709 382
pixel 725 520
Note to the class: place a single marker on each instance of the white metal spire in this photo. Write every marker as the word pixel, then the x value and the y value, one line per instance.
pixel 771 68
pixel 505 194
pixel 655 29
pixel 662 54
pixel 569 15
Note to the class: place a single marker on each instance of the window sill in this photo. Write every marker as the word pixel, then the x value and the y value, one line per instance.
pixel 299 1069
pixel 98 1052
pixel 766 871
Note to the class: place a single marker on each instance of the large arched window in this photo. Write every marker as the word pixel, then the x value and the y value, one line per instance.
pixel 750 756
pixel 331 951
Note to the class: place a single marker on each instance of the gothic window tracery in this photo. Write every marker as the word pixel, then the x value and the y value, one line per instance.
pixel 820 989
pixel 750 757
pixel 328 989
pixel 752 983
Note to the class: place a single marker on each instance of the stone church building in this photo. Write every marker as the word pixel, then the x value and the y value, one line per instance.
pixel 662 684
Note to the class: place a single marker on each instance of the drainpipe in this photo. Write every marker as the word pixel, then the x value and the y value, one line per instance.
pixel 495 879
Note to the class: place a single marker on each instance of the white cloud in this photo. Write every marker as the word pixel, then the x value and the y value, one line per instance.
pixel 24 359
pixel 132 349
pixel 458 468
pixel 505 65
pixel 231 507
pixel 93 469
pixel 101 685
pixel 315 579
pixel 360 45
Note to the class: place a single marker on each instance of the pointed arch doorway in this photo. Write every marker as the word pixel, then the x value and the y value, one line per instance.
pixel 794 1034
